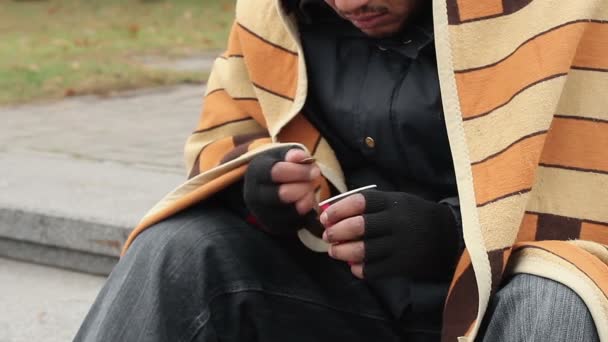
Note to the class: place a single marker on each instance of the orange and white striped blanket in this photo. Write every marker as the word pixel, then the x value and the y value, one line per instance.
pixel 525 94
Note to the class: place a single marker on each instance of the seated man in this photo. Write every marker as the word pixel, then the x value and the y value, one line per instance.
pixel 222 258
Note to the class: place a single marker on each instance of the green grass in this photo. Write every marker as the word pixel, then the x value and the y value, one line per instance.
pixel 50 49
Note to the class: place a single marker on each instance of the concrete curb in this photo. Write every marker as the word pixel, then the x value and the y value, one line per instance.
pixel 60 241
pixel 76 215
pixel 77 175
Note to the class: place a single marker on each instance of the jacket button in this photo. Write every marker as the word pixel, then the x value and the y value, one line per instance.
pixel 369 141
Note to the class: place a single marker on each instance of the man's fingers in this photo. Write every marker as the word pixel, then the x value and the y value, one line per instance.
pixel 292 192
pixel 287 172
pixel 296 155
pixel 350 206
pixel 305 204
pixel 348 229
pixel 353 252
pixel 357 270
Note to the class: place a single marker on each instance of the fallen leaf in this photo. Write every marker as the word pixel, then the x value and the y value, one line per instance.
pixel 82 42
pixel 52 10
pixel 110 243
pixel 133 30
pixel 42 317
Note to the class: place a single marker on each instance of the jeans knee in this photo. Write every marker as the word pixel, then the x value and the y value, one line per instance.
pixel 534 308
pixel 188 238
pixel 186 228
pixel 541 299
pixel 542 295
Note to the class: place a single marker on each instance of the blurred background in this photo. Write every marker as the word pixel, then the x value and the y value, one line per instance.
pixel 55 48
pixel 97 98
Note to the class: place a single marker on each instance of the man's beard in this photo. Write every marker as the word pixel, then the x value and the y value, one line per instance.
pixel 366 10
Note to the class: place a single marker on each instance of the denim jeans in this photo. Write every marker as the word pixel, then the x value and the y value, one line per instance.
pixel 206 275
pixel 530 308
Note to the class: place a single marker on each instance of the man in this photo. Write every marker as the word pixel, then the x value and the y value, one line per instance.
pixel 223 257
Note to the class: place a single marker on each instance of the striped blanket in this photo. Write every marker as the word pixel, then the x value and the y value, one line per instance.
pixel 525 94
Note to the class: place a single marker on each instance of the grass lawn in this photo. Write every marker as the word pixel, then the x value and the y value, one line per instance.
pixel 55 48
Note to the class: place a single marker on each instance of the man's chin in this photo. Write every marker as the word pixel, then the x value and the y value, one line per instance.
pixel 380 32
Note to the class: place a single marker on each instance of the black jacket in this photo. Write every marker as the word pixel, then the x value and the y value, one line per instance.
pixel 378 103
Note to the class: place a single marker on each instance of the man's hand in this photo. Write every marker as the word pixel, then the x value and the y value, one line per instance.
pixel 345 229
pixel 279 189
pixel 296 180
pixel 392 233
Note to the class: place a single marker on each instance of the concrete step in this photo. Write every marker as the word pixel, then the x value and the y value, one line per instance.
pixel 77 175
pixel 73 213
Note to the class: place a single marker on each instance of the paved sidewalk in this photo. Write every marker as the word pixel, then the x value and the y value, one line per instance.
pixel 76 175
pixel 139 128
pixel 43 304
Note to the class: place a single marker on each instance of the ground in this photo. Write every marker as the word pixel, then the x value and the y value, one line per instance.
pixel 41 303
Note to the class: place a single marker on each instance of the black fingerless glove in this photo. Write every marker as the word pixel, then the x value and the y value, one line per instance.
pixel 261 196
pixel 409 236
